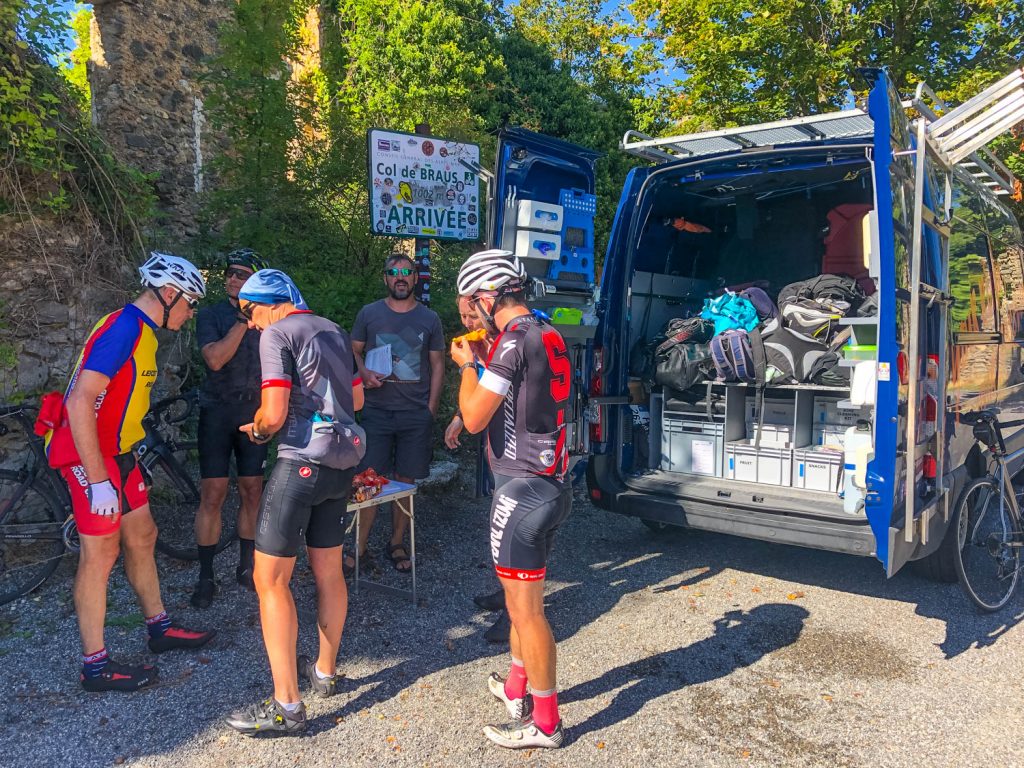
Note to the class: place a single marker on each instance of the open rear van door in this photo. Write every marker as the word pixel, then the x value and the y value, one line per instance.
pixel 543 209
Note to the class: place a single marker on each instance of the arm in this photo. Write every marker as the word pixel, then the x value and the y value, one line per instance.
pixel 273 410
pixel 476 403
pixel 370 379
pixel 81 406
pixel 436 380
pixel 357 397
pixel 217 354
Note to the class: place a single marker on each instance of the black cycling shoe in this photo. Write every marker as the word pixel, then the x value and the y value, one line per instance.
pixel 244 578
pixel 307 670
pixel 120 677
pixel 202 596
pixel 268 717
pixel 498 633
pixel 179 637
pixel 492 602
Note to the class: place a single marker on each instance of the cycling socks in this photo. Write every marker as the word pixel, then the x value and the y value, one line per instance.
pixel 290 708
pixel 320 675
pixel 206 553
pixel 94 663
pixel 246 553
pixel 545 710
pixel 515 683
pixel 159 624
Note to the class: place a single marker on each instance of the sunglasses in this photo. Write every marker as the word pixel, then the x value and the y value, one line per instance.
pixel 396 271
pixel 246 309
pixel 192 301
pixel 241 274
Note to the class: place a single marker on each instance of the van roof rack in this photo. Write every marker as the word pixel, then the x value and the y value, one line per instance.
pixel 959 135
pixel 850 123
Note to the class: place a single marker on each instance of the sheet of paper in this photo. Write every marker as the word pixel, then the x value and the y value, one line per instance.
pixel 378 360
pixel 702 457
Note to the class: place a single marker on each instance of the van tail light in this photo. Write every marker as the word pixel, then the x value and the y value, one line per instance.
pixel 902 368
pixel 594 415
pixel 928 467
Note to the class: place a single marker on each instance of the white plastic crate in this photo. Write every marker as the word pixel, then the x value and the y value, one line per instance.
pixel 533 214
pixel 776 410
pixel 538 245
pixel 772 466
pixel 772 435
pixel 827 411
pixel 830 435
pixel 818 469
pixel 693 447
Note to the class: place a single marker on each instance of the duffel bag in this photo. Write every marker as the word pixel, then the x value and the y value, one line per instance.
pixel 681 366
pixel 824 287
pixel 816 319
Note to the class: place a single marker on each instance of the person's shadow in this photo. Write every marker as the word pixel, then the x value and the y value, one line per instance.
pixel 741 638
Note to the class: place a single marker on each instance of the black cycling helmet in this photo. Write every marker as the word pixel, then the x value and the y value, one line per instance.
pixel 245 257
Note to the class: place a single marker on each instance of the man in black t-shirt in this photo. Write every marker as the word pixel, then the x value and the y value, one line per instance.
pixel 228 399
pixel 520 399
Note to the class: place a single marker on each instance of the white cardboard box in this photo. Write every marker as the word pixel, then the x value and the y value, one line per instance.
pixel 533 214
pixel 531 244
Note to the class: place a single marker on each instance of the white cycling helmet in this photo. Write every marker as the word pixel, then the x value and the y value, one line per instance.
pixel 163 269
pixel 491 270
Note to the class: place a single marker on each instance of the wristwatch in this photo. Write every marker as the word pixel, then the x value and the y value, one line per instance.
pixel 464 366
pixel 257 435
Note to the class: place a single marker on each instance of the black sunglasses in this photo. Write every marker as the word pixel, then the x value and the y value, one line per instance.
pixel 246 309
pixel 241 274
pixel 396 271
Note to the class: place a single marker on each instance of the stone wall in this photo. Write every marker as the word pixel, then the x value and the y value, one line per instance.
pixel 147 60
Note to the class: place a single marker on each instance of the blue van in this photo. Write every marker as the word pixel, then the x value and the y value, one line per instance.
pixel 872 462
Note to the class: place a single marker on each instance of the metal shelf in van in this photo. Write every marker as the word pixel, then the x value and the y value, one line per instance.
pixel 770 387
pixel 858 320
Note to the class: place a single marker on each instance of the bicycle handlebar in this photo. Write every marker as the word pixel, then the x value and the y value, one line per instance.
pixel 158 410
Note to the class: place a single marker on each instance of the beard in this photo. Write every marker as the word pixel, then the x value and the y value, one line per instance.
pixel 400 291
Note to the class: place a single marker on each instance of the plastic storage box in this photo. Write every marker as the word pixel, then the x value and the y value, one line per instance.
pixel 776 411
pixel 772 435
pixel 827 411
pixel 830 435
pixel 694 447
pixel 538 245
pixel 818 469
pixel 533 214
pixel 772 466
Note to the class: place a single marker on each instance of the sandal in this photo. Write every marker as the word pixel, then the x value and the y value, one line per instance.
pixel 396 559
pixel 365 564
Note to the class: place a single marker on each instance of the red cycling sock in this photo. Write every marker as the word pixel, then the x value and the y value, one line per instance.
pixel 515 683
pixel 545 710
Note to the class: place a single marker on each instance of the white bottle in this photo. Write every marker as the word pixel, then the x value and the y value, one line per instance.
pixel 857 449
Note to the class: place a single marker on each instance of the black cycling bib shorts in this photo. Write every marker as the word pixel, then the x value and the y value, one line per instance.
pixel 526 512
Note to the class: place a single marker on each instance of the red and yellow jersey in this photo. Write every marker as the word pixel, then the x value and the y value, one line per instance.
pixel 122 347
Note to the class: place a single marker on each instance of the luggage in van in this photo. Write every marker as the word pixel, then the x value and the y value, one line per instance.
pixel 682 366
pixel 729 311
pixel 731 355
pixel 829 288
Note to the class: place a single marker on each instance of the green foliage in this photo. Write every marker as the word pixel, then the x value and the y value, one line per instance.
pixel 74 65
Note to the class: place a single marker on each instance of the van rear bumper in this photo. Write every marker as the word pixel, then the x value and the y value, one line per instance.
pixel 850 538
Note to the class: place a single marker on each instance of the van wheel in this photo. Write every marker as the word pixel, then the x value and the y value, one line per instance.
pixel 658 527
pixel 940 565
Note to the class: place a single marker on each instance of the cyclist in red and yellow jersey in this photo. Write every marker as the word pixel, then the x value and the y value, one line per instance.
pixel 104 403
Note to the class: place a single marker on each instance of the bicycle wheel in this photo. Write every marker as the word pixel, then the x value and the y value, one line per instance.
pixel 987 553
pixel 173 502
pixel 31 540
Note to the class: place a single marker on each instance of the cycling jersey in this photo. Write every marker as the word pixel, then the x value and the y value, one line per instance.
pixel 529 365
pixel 121 346
pixel 312 357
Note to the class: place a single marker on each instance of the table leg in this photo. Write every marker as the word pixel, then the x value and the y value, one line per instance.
pixel 412 547
pixel 355 576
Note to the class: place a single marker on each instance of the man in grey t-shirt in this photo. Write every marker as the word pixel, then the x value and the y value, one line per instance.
pixel 399 349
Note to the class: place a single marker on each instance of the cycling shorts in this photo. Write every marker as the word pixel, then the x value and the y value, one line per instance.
pixel 219 438
pixel 525 514
pixel 303 502
pixel 127 481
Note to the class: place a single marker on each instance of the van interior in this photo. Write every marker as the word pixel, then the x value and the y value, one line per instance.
pixel 767 223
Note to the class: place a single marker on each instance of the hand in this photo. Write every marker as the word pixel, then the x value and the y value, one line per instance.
pixel 451 434
pixel 103 499
pixel 250 430
pixel 481 349
pixel 461 353
pixel 371 380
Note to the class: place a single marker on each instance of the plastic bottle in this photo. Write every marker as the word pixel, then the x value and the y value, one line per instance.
pixel 856 451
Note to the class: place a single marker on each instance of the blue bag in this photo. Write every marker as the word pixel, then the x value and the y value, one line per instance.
pixel 730 311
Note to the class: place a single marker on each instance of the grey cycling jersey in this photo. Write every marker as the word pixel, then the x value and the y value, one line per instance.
pixel 312 357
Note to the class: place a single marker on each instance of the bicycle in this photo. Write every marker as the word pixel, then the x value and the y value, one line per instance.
pixel 174 483
pixel 987 521
pixel 37 527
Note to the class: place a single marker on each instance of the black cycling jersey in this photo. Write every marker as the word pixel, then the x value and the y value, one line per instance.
pixel 529 365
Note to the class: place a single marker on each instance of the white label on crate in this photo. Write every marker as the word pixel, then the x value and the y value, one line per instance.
pixel 702 457
pixel 883 371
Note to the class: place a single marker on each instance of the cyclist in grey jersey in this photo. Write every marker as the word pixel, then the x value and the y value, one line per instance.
pixel 309 398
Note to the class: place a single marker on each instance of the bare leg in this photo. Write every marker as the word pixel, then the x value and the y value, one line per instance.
pixel 400 524
pixel 138 539
pixel 531 639
pixel 332 604
pixel 250 489
pixel 96 560
pixel 279 621
pixel 212 492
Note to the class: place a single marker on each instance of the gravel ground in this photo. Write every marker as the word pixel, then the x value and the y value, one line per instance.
pixel 677 649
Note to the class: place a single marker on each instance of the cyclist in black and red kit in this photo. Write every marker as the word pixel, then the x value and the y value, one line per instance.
pixel 520 399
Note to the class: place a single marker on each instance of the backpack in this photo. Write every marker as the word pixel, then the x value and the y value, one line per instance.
pixel 730 310
pixel 681 366
pixel 814 318
pixel 732 357
pixel 686 329
pixel 824 287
